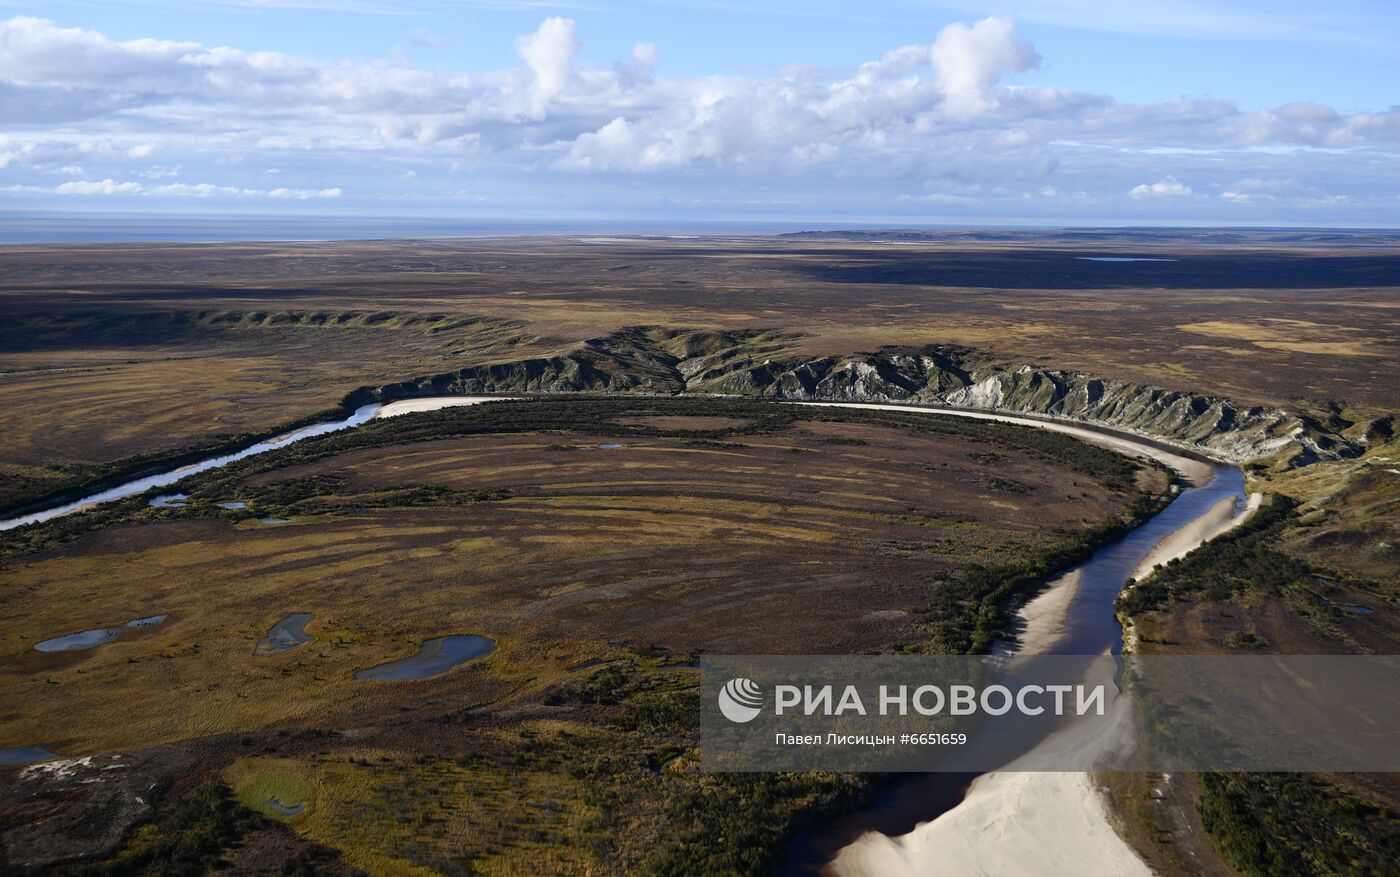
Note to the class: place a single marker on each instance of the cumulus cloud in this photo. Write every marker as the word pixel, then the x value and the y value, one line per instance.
pixel 938 121
pixel 1167 187
pixel 970 60
pixel 549 52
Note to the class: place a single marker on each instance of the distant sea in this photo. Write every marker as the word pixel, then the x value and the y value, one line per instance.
pixel 41 228
pixel 53 227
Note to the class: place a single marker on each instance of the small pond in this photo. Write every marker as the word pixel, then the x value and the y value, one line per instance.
pixel 286 809
pixel 286 634
pixel 438 655
pixel 88 639
pixel 26 755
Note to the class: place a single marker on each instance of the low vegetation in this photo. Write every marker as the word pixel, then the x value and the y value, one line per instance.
pixel 190 836
pixel 519 522
pixel 1252 590
pixel 1296 825
pixel 1239 561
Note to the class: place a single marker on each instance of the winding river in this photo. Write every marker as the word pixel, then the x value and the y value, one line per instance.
pixel 1087 625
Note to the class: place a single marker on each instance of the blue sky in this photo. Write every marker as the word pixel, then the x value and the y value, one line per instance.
pixel 1039 111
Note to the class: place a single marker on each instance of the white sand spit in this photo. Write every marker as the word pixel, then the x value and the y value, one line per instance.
pixel 1220 519
pixel 1043 617
pixel 1047 824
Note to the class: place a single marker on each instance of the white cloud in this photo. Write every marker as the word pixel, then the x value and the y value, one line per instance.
pixel 160 172
pixel 940 121
pixel 1255 190
pixel 549 52
pixel 1167 187
pixel 171 190
pixel 195 190
pixel 304 194
pixel 99 187
pixel 644 54
pixel 970 60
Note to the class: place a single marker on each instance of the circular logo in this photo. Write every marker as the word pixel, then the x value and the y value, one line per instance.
pixel 740 700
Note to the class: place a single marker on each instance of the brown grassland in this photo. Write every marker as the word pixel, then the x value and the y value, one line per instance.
pixel 112 350
pixel 712 527
pixel 718 525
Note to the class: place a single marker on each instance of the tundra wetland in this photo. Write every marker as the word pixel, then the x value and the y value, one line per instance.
pixel 667 507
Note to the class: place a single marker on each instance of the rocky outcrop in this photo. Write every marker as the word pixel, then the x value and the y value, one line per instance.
pixel 79 809
pixel 769 365
pixel 1210 423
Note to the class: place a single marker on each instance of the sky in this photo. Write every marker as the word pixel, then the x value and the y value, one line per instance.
pixel 1028 112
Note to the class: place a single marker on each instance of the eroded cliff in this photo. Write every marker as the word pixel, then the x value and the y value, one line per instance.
pixel 768 364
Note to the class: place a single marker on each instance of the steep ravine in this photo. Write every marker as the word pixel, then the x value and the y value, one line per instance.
pixel 766 364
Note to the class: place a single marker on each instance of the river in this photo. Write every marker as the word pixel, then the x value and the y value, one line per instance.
pixel 1089 627
pixel 364 414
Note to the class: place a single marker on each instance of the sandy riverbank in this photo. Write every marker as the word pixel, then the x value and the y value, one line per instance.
pixel 1021 820
pixel 1194 471
pixel 1220 519
pixel 1047 824
pixel 432 403
pixel 1043 823
pixel 1043 617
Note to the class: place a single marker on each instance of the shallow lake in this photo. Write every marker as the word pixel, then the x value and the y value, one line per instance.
pixel 88 639
pixel 438 655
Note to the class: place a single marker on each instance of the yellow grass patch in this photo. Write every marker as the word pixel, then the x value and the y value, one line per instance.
pixel 1228 351
pixel 1325 348
pixel 257 781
